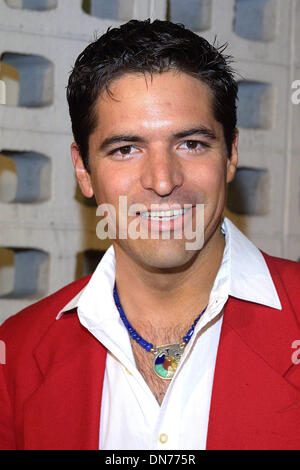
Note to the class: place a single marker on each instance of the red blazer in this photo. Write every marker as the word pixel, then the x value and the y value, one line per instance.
pixel 50 386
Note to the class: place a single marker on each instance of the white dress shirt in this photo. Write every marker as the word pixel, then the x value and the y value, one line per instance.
pixel 131 418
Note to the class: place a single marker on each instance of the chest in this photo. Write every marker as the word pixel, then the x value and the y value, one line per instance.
pixel 183 416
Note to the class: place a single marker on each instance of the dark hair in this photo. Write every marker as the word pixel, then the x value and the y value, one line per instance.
pixel 148 47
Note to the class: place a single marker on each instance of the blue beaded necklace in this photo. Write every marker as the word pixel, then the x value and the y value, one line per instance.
pixel 166 357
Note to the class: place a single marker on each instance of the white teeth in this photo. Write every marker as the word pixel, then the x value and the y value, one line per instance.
pixel 163 215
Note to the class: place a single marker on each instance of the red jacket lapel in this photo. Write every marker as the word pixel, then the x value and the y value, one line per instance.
pixel 64 413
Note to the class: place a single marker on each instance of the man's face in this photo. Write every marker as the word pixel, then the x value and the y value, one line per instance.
pixel 157 142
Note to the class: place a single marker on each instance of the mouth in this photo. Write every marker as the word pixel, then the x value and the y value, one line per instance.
pixel 164 215
pixel 167 220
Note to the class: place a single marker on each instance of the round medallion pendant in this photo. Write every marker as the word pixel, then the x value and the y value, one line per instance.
pixel 166 360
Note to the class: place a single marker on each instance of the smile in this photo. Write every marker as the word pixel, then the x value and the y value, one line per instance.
pixel 163 215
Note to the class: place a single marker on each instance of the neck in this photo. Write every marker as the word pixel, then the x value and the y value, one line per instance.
pixel 168 298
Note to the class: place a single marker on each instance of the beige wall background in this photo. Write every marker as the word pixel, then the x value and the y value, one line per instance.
pixel 47 230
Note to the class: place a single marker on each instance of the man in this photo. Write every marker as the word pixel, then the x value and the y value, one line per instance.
pixel 164 347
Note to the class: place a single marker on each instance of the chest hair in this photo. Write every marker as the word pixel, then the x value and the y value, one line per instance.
pixel 144 360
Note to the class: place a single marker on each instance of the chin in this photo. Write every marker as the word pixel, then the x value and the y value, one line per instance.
pixel 165 255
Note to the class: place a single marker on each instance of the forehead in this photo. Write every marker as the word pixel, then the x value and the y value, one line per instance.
pixel 155 102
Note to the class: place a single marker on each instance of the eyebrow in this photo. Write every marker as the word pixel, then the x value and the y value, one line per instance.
pixel 201 130
pixel 116 139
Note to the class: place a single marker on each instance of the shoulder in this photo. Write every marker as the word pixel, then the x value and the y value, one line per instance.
pixel 35 319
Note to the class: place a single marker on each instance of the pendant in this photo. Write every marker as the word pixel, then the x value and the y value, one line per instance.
pixel 166 360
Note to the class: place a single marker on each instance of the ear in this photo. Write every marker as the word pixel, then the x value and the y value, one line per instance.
pixel 232 162
pixel 82 175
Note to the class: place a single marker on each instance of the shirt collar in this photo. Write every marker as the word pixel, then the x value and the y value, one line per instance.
pixel 250 278
pixel 103 276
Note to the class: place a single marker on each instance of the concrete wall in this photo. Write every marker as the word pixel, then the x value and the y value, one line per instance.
pixel 47 230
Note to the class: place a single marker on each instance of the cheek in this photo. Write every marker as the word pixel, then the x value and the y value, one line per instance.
pixel 109 182
pixel 210 177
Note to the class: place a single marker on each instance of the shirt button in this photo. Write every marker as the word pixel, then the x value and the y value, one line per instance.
pixel 163 438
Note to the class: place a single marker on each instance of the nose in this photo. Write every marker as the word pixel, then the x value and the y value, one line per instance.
pixel 162 172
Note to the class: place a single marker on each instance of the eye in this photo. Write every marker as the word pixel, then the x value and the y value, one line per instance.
pixel 193 146
pixel 123 151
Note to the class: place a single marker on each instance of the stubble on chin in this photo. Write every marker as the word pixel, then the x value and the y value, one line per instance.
pixel 158 255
